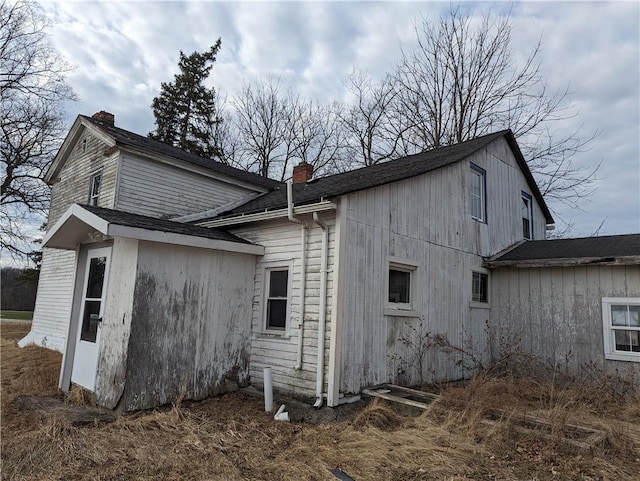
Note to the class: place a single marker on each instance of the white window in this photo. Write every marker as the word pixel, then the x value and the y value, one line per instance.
pixel 94 188
pixel 400 289
pixel 526 207
pixel 277 297
pixel 478 190
pixel 621 328
pixel 480 287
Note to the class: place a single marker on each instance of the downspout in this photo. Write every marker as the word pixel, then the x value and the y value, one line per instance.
pixel 303 271
pixel 322 311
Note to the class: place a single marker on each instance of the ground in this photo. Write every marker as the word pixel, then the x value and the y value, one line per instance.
pixel 231 438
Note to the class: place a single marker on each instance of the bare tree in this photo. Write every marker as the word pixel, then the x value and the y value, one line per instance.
pixel 368 123
pixel 32 91
pixel 462 81
pixel 276 129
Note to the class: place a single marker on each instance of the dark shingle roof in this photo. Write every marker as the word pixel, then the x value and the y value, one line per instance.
pixel 128 219
pixel 585 247
pixel 124 137
pixel 384 173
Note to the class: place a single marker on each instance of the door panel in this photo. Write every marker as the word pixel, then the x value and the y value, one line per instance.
pixel 85 361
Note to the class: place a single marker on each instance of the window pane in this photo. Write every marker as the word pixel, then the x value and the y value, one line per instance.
pixel 278 282
pixel 619 315
pixel 399 286
pixel 634 316
pixel 96 277
pixel 634 336
pixel 90 321
pixel 277 314
pixel 479 291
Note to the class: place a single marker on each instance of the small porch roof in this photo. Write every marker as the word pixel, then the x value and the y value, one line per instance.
pixel 83 223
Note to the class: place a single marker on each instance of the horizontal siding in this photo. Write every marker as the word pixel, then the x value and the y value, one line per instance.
pixel 161 190
pixel 281 240
pixel 72 184
pixel 557 312
pixel 55 288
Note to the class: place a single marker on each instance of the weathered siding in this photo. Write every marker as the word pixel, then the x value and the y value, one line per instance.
pixel 557 312
pixel 53 303
pixel 189 324
pixel 72 184
pixel 425 220
pixel 161 190
pixel 282 240
pixel 116 322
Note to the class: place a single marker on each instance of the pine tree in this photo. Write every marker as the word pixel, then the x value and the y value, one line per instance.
pixel 185 112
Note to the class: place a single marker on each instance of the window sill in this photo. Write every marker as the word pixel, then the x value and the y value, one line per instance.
pixel 272 335
pixel 479 305
pixel 390 311
pixel 631 357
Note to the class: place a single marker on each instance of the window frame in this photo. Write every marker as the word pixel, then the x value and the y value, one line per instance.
pixel 267 268
pixel 94 197
pixel 402 309
pixel 526 197
pixel 482 174
pixel 480 303
pixel 608 329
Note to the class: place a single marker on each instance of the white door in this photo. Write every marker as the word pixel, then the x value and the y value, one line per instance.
pixel 85 361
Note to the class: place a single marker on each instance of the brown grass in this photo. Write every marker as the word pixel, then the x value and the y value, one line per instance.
pixel 230 438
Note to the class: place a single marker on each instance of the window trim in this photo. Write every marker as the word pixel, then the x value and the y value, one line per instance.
pixel 529 199
pixel 97 174
pixel 401 309
pixel 477 170
pixel 607 329
pixel 267 268
pixel 481 304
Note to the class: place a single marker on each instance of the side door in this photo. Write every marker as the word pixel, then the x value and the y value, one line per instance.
pixel 92 306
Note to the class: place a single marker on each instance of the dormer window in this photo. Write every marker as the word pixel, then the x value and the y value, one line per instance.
pixel 94 188
pixel 527 216
pixel 84 146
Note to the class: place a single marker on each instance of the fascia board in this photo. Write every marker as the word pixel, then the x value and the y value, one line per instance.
pixel 92 220
pixel 269 215
pixel 116 230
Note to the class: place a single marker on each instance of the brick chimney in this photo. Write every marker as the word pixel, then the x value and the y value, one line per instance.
pixel 302 173
pixel 104 117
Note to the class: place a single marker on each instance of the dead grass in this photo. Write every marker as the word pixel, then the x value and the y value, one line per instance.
pixel 230 438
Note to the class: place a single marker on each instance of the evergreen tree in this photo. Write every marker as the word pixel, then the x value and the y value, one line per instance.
pixel 185 111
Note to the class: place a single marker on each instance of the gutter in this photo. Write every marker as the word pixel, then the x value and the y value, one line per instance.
pixel 321 206
pixel 323 308
pixel 303 271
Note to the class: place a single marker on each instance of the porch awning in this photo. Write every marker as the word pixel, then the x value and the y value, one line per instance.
pixel 82 224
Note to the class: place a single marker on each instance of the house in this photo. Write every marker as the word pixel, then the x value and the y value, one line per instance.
pixel 172 275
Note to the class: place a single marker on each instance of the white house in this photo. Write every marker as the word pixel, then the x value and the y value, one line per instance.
pixel 165 274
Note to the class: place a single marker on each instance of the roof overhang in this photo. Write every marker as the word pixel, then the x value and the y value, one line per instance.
pixel 565 262
pixel 79 226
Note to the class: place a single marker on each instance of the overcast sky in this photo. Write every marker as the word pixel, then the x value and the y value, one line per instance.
pixel 122 51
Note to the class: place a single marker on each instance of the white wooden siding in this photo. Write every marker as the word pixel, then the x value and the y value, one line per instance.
pixel 53 303
pixel 72 184
pixel 557 312
pixel 427 221
pixel 281 240
pixel 161 190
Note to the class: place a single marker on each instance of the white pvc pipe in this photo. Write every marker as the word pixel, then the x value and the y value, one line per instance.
pixel 268 390
pixel 322 310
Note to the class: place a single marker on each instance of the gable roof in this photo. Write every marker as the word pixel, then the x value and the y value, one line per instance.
pixel 124 138
pixel 386 173
pixel 614 249
pixel 81 221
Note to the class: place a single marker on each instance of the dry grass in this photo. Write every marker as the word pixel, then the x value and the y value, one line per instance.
pixel 230 438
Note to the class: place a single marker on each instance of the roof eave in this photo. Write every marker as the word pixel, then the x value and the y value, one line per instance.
pixel 564 262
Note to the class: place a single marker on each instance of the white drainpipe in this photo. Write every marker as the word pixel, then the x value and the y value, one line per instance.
pixel 322 312
pixel 303 271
